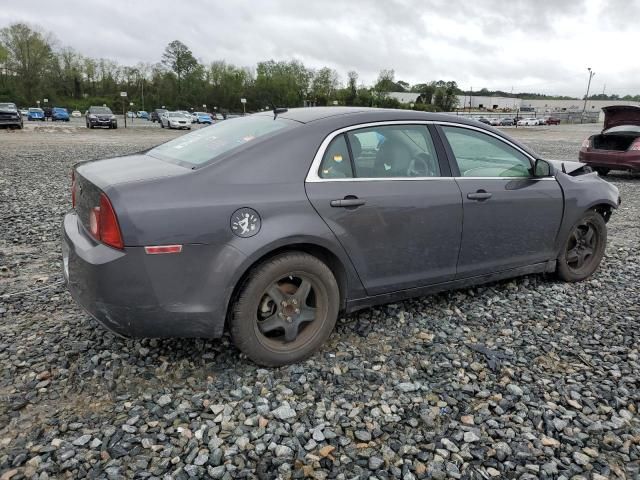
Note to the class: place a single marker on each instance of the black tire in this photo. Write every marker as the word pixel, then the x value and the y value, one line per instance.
pixel 267 309
pixel 584 248
pixel 162 124
pixel 602 171
pixel 115 126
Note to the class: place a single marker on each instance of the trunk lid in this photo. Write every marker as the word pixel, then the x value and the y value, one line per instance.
pixel 132 168
pixel 617 115
pixel 96 176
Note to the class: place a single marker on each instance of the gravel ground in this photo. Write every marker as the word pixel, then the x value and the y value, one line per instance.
pixel 529 378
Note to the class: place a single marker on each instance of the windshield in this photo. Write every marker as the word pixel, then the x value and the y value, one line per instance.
pixel 176 114
pixel 205 145
pixel 104 110
pixel 59 109
pixel 8 106
pixel 202 113
pixel 35 110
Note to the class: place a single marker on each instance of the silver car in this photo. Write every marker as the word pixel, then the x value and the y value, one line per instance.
pixel 175 120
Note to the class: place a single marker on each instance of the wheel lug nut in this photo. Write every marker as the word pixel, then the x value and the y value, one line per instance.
pixel 297 310
pixel 288 319
pixel 283 303
pixel 294 301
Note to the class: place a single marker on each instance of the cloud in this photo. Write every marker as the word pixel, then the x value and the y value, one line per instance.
pixel 542 46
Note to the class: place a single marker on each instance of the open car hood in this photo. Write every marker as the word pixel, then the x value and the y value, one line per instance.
pixel 617 115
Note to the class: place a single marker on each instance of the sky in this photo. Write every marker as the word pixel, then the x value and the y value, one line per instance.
pixel 540 46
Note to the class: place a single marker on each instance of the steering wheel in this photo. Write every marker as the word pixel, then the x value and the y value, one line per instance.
pixel 419 165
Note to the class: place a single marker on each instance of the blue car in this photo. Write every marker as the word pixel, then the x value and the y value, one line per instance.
pixel 59 114
pixel 143 114
pixel 202 117
pixel 35 114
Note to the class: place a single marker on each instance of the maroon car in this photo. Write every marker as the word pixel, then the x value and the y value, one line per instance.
pixel 553 121
pixel 618 146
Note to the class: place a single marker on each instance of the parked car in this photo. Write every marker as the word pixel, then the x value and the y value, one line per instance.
pixel 202 117
pixel 35 114
pixel 542 121
pixel 142 114
pixel 187 115
pixel 101 117
pixel 175 120
pixel 528 122
pixel 507 122
pixel 484 120
pixel 24 112
pixel 155 114
pixel 308 214
pixel 617 147
pixel 10 116
pixel 131 114
pixel 552 121
pixel 494 122
pixel 59 114
pixel 76 114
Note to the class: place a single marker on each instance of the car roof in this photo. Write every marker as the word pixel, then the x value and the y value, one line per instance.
pixel 312 114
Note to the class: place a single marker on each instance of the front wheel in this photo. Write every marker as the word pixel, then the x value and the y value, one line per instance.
pixel 286 309
pixel 583 249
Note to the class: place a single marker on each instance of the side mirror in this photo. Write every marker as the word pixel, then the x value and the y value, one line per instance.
pixel 542 168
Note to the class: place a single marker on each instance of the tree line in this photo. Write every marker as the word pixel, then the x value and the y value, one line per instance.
pixel 33 67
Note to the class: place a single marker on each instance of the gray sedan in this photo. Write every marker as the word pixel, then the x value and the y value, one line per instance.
pixel 272 224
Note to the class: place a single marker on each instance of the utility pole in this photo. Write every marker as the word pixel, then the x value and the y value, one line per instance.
pixel 584 108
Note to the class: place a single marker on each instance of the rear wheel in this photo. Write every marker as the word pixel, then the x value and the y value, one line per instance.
pixel 286 309
pixel 583 249
pixel 602 171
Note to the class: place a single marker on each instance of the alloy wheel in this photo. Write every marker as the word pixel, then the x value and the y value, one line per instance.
pixel 581 247
pixel 286 310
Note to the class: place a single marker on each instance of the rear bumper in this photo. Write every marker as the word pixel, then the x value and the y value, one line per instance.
pixel 610 159
pixel 138 295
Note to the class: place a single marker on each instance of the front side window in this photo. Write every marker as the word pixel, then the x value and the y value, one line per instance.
pixel 393 151
pixel 480 155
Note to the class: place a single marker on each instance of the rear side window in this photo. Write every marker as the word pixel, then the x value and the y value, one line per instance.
pixel 207 144
pixel 394 151
pixel 336 163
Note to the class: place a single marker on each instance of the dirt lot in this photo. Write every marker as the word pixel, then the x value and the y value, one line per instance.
pixel 529 378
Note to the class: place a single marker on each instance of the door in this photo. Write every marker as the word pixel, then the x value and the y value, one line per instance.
pixel 511 219
pixel 396 211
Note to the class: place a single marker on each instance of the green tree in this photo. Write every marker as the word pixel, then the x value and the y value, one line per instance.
pixel 29 54
pixel 180 60
pixel 324 85
pixel 352 88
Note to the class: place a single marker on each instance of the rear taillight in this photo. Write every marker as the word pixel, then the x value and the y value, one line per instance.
pixel 635 145
pixel 586 143
pixel 73 188
pixel 103 224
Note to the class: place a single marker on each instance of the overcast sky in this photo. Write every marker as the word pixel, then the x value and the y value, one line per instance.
pixel 528 45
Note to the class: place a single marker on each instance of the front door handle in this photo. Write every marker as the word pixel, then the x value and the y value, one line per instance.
pixel 348 202
pixel 480 195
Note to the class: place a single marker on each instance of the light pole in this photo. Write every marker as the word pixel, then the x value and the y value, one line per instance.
pixel 584 108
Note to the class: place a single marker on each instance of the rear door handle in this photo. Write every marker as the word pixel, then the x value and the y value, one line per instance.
pixel 347 202
pixel 479 195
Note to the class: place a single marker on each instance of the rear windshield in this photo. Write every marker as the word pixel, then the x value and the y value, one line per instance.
pixel 105 110
pixel 207 144
pixel 35 110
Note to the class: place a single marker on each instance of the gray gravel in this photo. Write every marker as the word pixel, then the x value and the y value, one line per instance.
pixel 529 378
